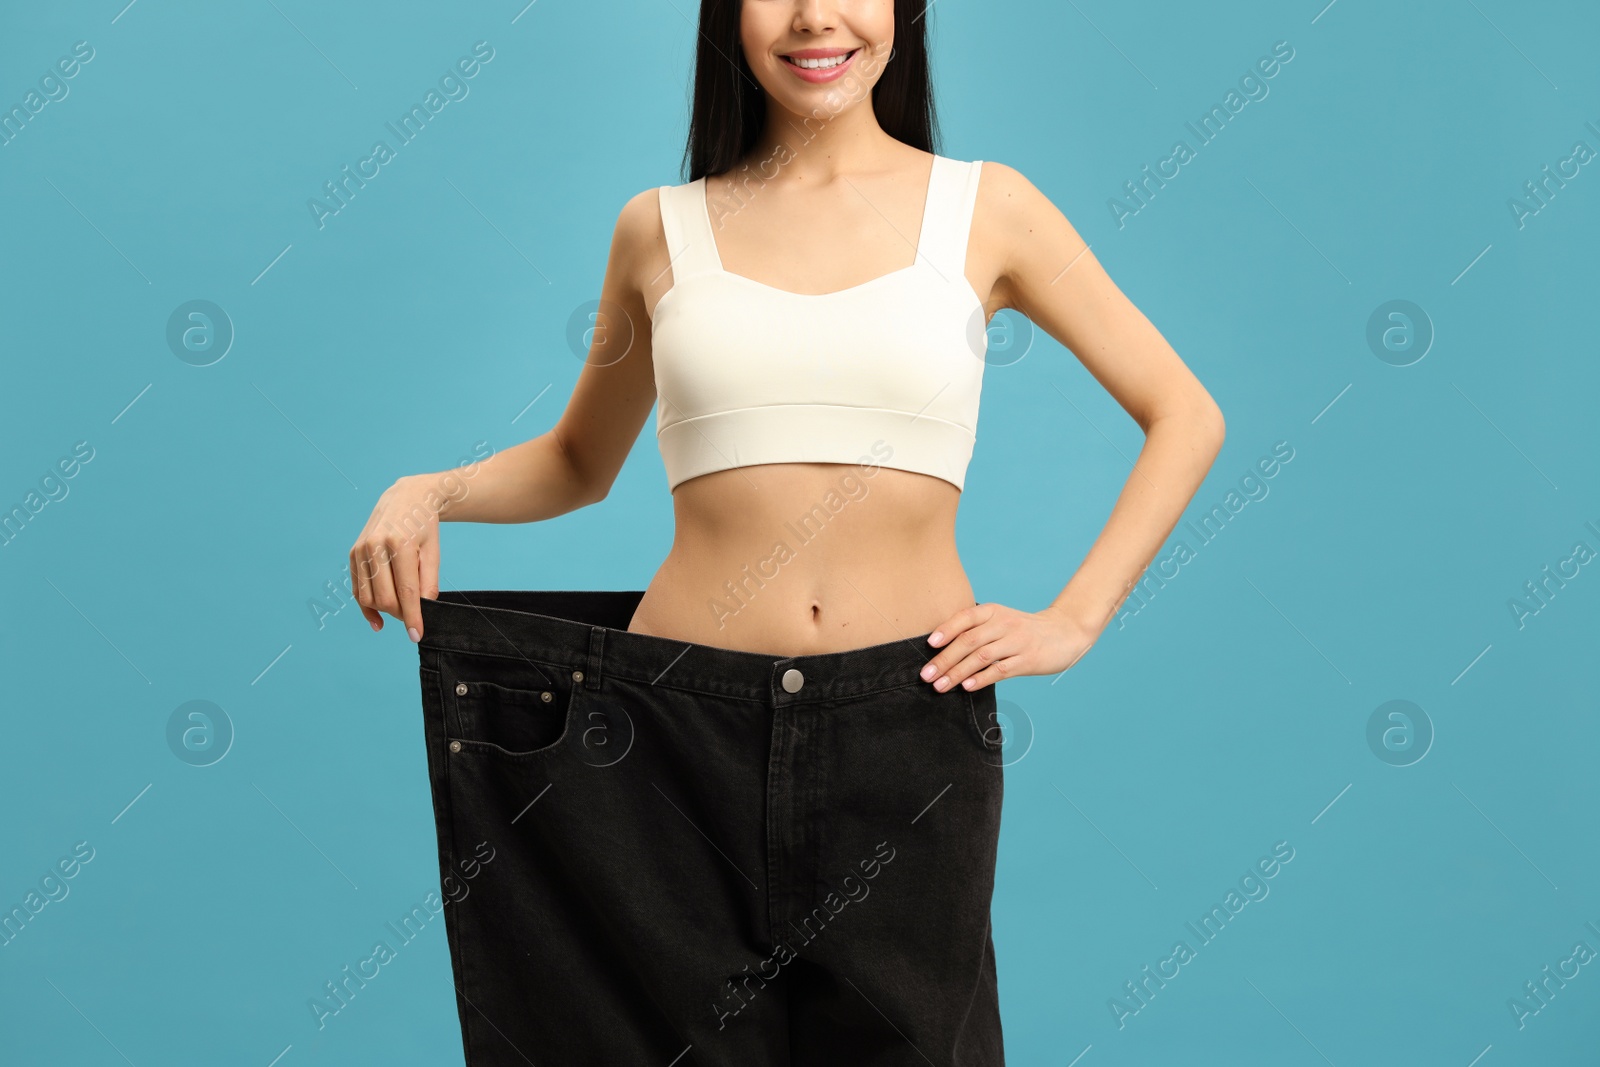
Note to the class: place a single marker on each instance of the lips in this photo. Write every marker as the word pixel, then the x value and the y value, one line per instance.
pixel 820 58
pixel 820 64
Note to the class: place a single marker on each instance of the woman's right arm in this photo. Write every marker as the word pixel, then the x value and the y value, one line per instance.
pixel 395 561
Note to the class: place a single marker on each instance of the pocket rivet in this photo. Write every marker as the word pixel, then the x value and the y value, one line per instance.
pixel 461 689
pixel 547 696
pixel 577 676
pixel 455 746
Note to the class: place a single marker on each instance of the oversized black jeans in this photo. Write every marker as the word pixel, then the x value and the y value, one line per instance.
pixel 661 853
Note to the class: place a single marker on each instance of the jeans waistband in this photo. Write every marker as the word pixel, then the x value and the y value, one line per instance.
pixel 589 628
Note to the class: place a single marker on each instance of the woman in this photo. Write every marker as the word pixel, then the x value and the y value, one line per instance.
pixel 750 815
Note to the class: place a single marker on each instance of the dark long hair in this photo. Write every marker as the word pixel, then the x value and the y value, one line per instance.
pixel 730 108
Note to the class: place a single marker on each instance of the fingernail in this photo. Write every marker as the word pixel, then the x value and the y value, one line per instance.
pixel 415 637
pixel 935 637
pixel 376 626
pixel 969 683
pixel 942 684
pixel 927 672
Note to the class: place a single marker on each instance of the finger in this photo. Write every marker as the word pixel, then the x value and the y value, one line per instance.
pixel 961 646
pixel 997 671
pixel 991 643
pixel 428 555
pixel 383 596
pixel 407 571
pixel 361 582
pixel 954 625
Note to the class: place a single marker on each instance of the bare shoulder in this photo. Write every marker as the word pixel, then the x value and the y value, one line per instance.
pixel 639 226
pixel 1011 203
pixel 639 246
pixel 1024 238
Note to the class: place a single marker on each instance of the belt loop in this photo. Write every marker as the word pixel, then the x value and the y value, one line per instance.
pixel 597 641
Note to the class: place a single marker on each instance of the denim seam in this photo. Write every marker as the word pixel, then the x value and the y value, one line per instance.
pixel 775 811
pixel 595 666
pixel 447 794
pixel 983 962
pixel 817 816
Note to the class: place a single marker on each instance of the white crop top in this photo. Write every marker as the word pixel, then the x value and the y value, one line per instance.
pixel 886 372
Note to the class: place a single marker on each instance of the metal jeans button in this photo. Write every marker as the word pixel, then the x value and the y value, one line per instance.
pixel 793 680
pixel 577 676
pixel 455 746
pixel 461 689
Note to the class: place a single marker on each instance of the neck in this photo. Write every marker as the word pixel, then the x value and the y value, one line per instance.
pixel 841 137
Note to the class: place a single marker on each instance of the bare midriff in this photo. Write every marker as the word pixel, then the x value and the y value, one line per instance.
pixel 794 559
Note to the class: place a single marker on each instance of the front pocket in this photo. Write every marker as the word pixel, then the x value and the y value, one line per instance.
pixel 515 722
pixel 982 708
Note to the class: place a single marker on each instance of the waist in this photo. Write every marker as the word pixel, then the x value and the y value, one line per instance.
pixel 794 603
pixel 806 558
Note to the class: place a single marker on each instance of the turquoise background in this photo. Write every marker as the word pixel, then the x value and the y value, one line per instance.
pixel 1229 713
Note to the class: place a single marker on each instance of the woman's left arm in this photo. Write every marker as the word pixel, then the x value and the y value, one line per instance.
pixel 1049 274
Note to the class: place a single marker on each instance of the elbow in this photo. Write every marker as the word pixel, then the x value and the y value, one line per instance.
pixel 583 485
pixel 1216 427
pixel 587 489
pixel 1204 418
pixel 1201 422
pixel 1210 429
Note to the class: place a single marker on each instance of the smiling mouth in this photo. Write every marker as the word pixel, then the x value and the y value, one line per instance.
pixel 821 64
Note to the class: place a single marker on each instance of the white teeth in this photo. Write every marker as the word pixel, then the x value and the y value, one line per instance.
pixel 821 64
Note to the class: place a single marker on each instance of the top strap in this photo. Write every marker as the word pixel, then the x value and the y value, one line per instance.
pixel 947 219
pixel 687 226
